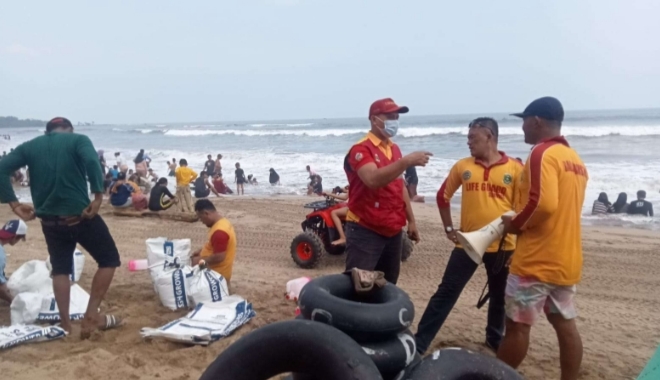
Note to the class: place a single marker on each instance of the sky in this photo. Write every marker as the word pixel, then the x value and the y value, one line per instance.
pixel 174 61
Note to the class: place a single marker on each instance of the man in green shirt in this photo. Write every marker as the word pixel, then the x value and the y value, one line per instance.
pixel 60 162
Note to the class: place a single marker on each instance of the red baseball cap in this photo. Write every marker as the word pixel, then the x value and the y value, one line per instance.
pixel 386 105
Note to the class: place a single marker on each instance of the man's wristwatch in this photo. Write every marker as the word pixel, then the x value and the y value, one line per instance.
pixel 449 229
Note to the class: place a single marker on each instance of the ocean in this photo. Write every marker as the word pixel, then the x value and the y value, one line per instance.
pixel 621 149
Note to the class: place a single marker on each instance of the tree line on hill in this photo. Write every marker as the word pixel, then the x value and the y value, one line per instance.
pixel 12 121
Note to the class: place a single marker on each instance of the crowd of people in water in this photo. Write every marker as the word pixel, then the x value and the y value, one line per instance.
pixel 142 188
pixel 640 206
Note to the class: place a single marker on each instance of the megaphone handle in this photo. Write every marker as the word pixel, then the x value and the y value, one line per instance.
pixel 500 260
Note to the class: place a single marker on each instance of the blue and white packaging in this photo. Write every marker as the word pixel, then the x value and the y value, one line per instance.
pixel 161 249
pixel 207 323
pixel 207 286
pixel 15 335
pixel 78 300
pixel 173 285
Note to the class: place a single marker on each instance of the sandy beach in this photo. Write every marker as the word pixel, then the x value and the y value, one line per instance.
pixel 618 302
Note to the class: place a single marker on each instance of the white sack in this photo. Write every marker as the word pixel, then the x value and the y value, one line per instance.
pixel 206 323
pixel 79 299
pixel 25 308
pixel 33 276
pixel 14 335
pixel 207 286
pixel 160 249
pixel 172 286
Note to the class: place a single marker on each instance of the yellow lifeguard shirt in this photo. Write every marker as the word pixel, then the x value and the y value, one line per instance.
pixel 488 192
pixel 551 197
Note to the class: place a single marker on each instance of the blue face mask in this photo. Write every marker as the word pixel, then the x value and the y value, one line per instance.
pixel 391 127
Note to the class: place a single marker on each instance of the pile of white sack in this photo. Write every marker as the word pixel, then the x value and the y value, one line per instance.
pixel 34 302
pixel 216 314
pixel 178 285
pixel 32 288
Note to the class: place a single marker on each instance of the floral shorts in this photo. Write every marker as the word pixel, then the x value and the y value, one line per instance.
pixel 527 297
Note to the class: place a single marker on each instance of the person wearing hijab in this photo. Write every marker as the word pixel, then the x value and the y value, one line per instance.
pixel 140 164
pixel 601 205
pixel 102 160
pixel 620 206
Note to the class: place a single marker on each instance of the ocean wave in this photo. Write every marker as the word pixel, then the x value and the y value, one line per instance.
pixel 412 132
pixel 281 125
pixel 271 132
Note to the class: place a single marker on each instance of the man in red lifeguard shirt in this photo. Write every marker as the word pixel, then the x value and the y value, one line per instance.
pixel 379 205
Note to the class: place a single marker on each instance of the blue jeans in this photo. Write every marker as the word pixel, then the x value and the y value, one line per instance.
pixel 460 269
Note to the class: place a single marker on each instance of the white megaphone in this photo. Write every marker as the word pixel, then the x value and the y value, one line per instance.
pixel 476 242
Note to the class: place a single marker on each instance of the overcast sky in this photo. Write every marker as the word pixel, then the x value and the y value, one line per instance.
pixel 160 61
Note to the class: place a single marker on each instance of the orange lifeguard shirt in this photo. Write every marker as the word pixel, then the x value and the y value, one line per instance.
pixel 226 267
pixel 551 197
pixel 488 192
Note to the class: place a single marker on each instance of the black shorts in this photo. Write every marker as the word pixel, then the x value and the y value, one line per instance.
pixel 92 234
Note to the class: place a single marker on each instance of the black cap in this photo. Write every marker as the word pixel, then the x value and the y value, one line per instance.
pixel 58 122
pixel 121 175
pixel 547 108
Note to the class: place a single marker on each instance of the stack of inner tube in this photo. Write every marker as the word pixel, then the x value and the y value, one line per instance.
pixel 378 320
pixel 341 335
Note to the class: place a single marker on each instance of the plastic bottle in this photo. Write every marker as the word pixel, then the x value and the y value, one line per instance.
pixel 136 265
pixel 294 287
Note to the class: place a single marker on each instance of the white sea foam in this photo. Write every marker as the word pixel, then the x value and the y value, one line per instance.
pixel 413 131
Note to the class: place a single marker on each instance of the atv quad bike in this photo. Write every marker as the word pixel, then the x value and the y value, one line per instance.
pixel 319 231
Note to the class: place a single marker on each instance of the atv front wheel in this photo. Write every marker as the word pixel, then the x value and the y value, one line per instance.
pixel 407 248
pixel 307 250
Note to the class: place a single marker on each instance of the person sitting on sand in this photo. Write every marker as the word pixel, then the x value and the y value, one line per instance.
pixel 239 179
pixel 157 200
pixel 274 178
pixel 13 232
pixel 620 206
pixel 220 250
pixel 640 206
pixel 202 186
pixel 141 182
pixel 220 186
pixel 252 180
pixel 338 214
pixel 126 194
pixel 601 205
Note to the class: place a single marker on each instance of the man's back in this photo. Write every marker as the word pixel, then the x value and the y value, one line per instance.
pixel 640 207
pixel 59 165
pixel 552 191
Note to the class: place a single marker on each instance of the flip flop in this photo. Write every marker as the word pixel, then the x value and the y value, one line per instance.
pixel 111 322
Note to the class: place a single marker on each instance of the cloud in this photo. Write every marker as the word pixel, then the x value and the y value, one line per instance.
pixel 18 49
